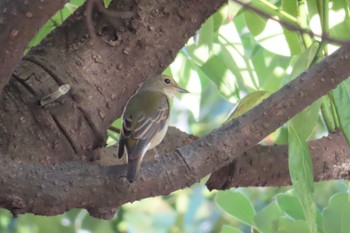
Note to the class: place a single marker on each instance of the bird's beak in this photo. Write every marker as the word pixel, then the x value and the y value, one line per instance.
pixel 181 90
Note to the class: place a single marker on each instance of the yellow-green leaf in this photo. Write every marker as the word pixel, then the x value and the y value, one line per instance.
pixel 247 103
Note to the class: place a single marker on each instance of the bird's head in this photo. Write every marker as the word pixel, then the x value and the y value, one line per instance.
pixel 164 84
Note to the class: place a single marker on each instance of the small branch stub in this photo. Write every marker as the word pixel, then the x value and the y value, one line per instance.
pixel 61 91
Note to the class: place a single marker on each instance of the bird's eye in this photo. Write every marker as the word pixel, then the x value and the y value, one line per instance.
pixel 167 81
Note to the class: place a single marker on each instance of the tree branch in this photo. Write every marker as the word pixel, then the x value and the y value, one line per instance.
pixel 102 76
pixel 55 189
pixel 290 26
pixel 268 165
pixel 18 24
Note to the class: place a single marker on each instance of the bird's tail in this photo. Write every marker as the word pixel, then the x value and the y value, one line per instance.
pixel 134 165
pixel 121 148
pixel 135 158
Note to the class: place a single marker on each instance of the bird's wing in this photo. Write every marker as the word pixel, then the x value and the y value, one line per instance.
pixel 142 128
pixel 149 125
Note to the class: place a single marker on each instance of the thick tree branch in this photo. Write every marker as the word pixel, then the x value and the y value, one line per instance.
pixel 103 73
pixel 19 21
pixel 268 165
pixel 54 189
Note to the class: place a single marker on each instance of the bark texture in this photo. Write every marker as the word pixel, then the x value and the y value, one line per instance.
pixel 103 73
pixel 19 21
pixel 54 189
pixel 268 165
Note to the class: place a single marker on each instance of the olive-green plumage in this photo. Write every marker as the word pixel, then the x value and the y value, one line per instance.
pixel 145 120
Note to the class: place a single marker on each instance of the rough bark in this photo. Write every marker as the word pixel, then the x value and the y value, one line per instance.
pixel 19 21
pixel 103 73
pixel 54 189
pixel 268 165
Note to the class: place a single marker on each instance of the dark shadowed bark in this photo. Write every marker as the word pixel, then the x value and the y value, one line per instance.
pixel 51 147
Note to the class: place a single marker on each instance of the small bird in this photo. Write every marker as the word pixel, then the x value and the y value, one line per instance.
pixel 145 120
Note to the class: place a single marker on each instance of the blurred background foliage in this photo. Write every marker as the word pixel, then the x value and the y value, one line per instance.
pixel 237 58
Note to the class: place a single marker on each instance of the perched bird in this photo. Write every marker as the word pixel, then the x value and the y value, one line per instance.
pixel 145 120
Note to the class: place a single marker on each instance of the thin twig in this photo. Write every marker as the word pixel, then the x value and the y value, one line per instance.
pixel 114 129
pixel 289 26
pixel 89 22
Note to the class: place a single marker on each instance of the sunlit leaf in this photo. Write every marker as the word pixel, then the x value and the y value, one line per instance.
pixel 341 100
pixel 247 103
pixel 305 121
pixel 304 60
pixel 291 205
pixel 269 68
pixel 293 38
pixel 205 34
pixel 311 8
pixel 300 169
pixel 255 22
pixel 216 70
pixel 237 205
pixel 339 17
pixel 232 9
pixel 327 113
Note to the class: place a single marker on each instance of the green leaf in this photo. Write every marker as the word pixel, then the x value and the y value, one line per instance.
pixel 221 16
pixel 294 40
pixel 300 169
pixel 300 164
pixel 77 2
pixel 53 224
pixel 336 216
pixel 311 8
pixel 266 219
pixel 106 2
pixel 291 205
pixel 232 10
pixel 341 100
pixel 305 121
pixel 290 6
pixel 255 23
pixel 216 70
pixel 340 26
pixel 304 60
pixel 265 62
pixel 235 62
pixel 327 107
pixel 286 225
pixel 247 103
pixel 237 205
pixel 205 34
pixel 229 229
